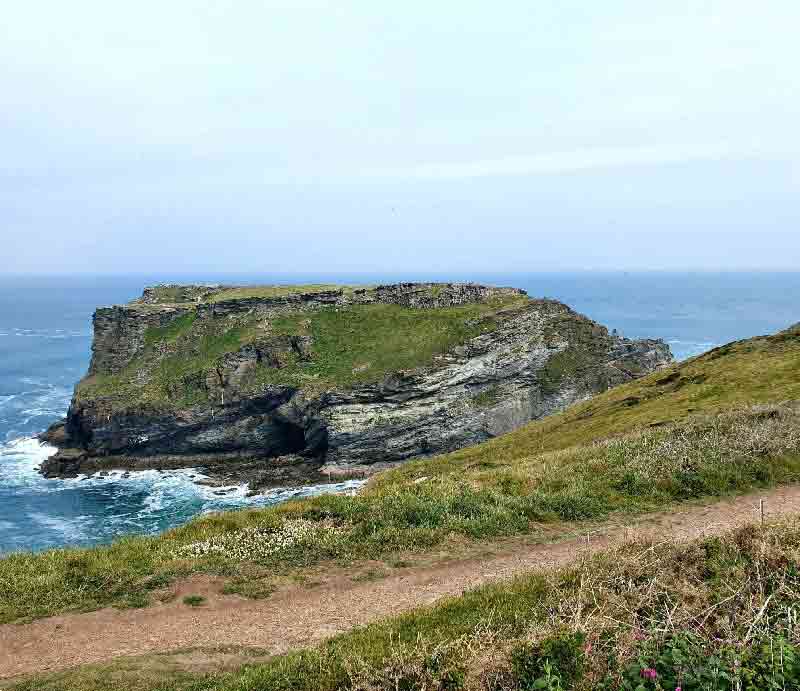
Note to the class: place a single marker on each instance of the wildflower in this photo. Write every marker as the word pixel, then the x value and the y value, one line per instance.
pixel 648 673
pixel 252 544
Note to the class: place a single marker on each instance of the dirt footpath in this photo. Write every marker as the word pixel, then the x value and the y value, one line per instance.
pixel 299 616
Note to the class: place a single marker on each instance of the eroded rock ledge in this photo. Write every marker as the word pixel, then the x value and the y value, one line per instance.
pixel 248 383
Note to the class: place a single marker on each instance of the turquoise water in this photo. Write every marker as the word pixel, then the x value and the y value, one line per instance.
pixel 45 336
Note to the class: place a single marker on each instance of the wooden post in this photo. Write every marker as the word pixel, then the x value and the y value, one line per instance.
pixel 761 509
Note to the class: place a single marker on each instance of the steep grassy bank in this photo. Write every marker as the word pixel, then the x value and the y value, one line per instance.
pixel 757 370
pixel 712 614
pixel 513 484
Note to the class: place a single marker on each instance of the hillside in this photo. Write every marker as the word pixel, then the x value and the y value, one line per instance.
pixel 762 370
pixel 720 424
pixel 692 433
pixel 279 384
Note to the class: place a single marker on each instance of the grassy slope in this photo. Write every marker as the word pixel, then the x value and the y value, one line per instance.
pixel 510 485
pixel 350 345
pixel 362 344
pixel 758 370
pixel 710 614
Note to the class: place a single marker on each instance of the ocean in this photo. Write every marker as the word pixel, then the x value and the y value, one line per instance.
pixel 45 339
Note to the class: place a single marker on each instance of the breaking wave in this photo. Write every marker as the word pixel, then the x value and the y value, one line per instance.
pixel 37 513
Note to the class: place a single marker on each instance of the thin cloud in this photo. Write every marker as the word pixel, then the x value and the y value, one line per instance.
pixel 559 162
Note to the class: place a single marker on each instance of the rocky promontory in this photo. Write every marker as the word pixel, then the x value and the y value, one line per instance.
pixel 281 384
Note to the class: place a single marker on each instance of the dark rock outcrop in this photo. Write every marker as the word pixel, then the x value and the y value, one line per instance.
pixel 538 358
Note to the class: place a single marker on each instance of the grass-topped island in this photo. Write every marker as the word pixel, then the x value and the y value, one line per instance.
pixel 279 384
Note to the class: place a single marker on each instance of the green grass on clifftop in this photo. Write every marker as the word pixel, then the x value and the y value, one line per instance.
pixel 364 343
pixel 348 345
pixel 172 294
pixel 704 428
pixel 278 291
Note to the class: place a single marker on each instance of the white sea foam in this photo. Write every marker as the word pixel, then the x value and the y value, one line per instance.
pixel 45 333
pixel 35 412
pixel 97 508
pixel 25 449
pixel 75 530
pixel 33 380
pixel 37 401
pixel 19 461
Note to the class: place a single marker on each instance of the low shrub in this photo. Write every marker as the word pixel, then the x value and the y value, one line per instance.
pixel 552 664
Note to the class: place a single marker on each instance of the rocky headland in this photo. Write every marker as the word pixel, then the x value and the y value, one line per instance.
pixel 274 385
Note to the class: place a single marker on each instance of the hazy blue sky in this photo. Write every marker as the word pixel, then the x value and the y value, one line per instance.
pixel 345 136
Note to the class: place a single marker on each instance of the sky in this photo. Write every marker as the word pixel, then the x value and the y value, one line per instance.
pixel 302 136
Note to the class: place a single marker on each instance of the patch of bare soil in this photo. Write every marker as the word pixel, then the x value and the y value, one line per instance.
pixel 297 615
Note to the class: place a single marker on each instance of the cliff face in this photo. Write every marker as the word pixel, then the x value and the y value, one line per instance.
pixel 272 385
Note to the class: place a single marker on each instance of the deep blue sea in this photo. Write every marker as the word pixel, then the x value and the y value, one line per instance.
pixel 45 338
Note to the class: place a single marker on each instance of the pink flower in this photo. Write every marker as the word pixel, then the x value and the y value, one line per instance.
pixel 648 673
pixel 678 688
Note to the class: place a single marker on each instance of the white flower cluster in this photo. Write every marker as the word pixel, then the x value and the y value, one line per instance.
pixel 255 544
